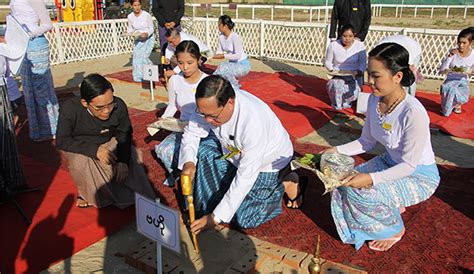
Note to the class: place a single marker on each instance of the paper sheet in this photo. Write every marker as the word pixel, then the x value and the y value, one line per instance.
pixel 16 39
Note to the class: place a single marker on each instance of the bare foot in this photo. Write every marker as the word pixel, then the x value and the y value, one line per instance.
pixel 386 244
pixel 15 120
pixel 292 189
pixel 81 203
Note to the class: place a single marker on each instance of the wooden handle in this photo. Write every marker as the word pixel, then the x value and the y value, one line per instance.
pixel 192 218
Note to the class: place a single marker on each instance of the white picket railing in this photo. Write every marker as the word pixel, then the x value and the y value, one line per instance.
pixel 284 41
pixel 318 13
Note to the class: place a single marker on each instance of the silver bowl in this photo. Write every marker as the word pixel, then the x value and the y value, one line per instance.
pixel 337 166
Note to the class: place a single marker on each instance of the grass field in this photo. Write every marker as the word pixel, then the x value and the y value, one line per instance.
pixel 423 20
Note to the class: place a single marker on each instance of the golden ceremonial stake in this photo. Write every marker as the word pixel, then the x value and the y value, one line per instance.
pixel 163 62
pixel 315 264
pixel 187 188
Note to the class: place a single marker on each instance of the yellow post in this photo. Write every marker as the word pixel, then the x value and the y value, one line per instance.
pixel 163 62
pixel 187 189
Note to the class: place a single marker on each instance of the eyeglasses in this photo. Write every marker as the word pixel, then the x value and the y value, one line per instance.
pixel 102 108
pixel 213 117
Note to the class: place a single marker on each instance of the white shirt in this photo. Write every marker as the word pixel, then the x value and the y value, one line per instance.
pixel 340 58
pixel 181 96
pixel 170 50
pixel 408 142
pixel 257 132
pixel 232 47
pixel 143 23
pixel 32 14
pixel 457 61
pixel 410 44
pixel 3 69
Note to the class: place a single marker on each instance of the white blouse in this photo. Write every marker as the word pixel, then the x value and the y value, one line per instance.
pixel 457 61
pixel 232 47
pixel 142 23
pixel 255 130
pixel 406 137
pixel 181 97
pixel 340 58
pixel 33 15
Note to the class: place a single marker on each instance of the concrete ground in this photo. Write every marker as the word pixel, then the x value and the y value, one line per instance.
pixel 107 254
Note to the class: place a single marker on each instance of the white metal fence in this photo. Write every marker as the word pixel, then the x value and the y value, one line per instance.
pixel 284 41
pixel 319 13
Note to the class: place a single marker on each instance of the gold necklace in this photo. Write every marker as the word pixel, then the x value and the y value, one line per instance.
pixel 391 107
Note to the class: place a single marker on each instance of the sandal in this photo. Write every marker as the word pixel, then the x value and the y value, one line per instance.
pixel 393 239
pixel 457 109
pixel 81 203
pixel 303 182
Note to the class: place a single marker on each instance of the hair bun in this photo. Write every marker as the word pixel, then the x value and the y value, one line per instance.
pixel 408 77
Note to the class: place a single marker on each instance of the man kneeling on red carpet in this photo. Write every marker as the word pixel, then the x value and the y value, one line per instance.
pixel 95 134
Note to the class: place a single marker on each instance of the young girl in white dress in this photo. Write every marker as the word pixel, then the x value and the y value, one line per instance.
pixel 231 47
pixel 141 21
pixel 181 92
pixel 348 55
pixel 369 206
pixel 455 89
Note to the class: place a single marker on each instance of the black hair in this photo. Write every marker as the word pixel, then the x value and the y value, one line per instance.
pixel 215 86
pixel 94 85
pixel 226 21
pixel 133 1
pixel 346 27
pixel 190 47
pixel 467 33
pixel 172 32
pixel 395 58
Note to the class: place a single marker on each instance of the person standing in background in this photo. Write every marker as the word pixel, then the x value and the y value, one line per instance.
pixel 40 97
pixel 169 14
pixel 140 20
pixel 355 12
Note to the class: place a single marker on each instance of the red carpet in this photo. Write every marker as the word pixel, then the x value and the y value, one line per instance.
pixel 439 235
pixel 302 104
pixel 59 228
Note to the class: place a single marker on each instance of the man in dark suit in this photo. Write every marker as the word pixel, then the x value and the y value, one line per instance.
pixel 169 14
pixel 355 12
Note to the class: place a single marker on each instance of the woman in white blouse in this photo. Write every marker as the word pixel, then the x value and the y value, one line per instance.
pixel 40 97
pixel 181 91
pixel 231 47
pixel 346 61
pixel 369 206
pixel 140 24
pixel 458 64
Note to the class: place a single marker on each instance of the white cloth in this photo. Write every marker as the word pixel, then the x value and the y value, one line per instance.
pixel 457 61
pixel 410 44
pixel 257 132
pixel 340 58
pixel 8 80
pixel 407 142
pixel 181 97
pixel 232 47
pixel 170 50
pixel 33 15
pixel 143 23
